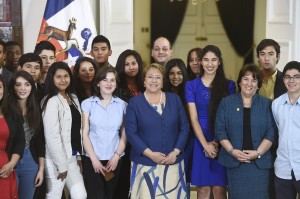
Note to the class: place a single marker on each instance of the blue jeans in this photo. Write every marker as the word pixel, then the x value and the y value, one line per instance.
pixel 26 171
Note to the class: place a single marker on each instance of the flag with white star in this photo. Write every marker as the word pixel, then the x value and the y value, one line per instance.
pixel 70 26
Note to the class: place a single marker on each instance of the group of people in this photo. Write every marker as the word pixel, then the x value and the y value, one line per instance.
pixel 147 131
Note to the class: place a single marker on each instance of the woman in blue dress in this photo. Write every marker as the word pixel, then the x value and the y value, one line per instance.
pixel 203 96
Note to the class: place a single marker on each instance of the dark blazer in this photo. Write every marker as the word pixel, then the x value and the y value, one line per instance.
pixel 39 91
pixel 229 125
pixel 279 87
pixel 6 74
pixel 145 128
pixel 16 142
pixel 37 143
pixel 124 94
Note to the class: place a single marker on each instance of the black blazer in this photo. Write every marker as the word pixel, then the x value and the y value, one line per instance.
pixel 16 141
pixel 37 144
pixel 279 87
pixel 6 74
pixel 124 94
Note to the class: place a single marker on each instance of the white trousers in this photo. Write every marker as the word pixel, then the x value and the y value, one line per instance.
pixel 73 181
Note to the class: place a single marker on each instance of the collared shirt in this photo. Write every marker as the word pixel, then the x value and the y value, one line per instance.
pixel 105 124
pixel 287 116
pixel 267 88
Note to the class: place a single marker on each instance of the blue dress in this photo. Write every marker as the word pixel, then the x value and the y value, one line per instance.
pixel 205 171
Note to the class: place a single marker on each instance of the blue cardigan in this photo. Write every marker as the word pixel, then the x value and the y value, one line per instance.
pixel 229 125
pixel 146 128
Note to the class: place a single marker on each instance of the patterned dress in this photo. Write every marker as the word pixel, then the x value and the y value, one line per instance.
pixel 159 181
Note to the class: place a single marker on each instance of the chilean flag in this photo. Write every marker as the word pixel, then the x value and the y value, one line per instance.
pixel 70 26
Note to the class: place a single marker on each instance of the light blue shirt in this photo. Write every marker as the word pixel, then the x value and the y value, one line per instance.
pixel 105 124
pixel 287 118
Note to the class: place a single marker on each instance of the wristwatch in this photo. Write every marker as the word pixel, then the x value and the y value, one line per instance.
pixel 259 155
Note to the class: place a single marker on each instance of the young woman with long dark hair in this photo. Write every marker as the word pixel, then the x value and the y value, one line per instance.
pixel 22 100
pixel 193 63
pixel 203 96
pixel 12 143
pixel 130 70
pixel 62 128
pixel 83 76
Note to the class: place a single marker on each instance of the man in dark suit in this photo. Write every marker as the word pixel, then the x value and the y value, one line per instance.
pixel 6 74
pixel 268 54
pixel 13 52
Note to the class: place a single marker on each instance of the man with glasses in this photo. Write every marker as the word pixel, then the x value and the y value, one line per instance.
pixel 286 112
pixel 161 51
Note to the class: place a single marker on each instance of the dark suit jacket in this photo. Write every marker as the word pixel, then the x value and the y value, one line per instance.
pixel 6 74
pixel 279 87
pixel 229 125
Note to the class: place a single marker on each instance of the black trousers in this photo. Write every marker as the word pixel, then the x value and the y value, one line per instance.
pixel 287 189
pixel 123 185
pixel 95 184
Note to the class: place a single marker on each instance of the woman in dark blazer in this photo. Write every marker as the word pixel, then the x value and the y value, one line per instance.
pixel 245 128
pixel 12 143
pixel 157 129
pixel 22 100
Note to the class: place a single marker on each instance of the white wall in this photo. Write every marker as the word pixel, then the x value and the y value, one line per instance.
pixel 283 25
pixel 117 25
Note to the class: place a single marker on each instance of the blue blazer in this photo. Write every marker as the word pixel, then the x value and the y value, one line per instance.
pixel 229 125
pixel 146 128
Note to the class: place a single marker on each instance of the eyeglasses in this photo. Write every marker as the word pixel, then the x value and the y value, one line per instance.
pixel 289 78
pixel 157 78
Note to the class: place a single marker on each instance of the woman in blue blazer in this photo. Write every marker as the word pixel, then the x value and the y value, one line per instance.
pixel 245 128
pixel 157 129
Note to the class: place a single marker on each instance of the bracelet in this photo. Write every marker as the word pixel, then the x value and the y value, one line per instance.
pixel 231 150
pixel 258 154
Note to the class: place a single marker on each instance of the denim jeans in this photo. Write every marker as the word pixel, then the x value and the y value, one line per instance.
pixel 26 171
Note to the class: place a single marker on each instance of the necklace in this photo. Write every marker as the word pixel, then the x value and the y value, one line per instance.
pixel 160 100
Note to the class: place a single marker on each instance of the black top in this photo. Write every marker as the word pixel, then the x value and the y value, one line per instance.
pixel 279 87
pixel 75 129
pixel 37 143
pixel 247 141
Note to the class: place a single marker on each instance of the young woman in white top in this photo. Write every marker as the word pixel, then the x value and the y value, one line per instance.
pixel 62 128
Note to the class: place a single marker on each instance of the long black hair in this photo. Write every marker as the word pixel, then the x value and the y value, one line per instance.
pixel 32 106
pixel 182 67
pixel 191 74
pixel 81 94
pixel 219 85
pixel 50 88
pixel 120 67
